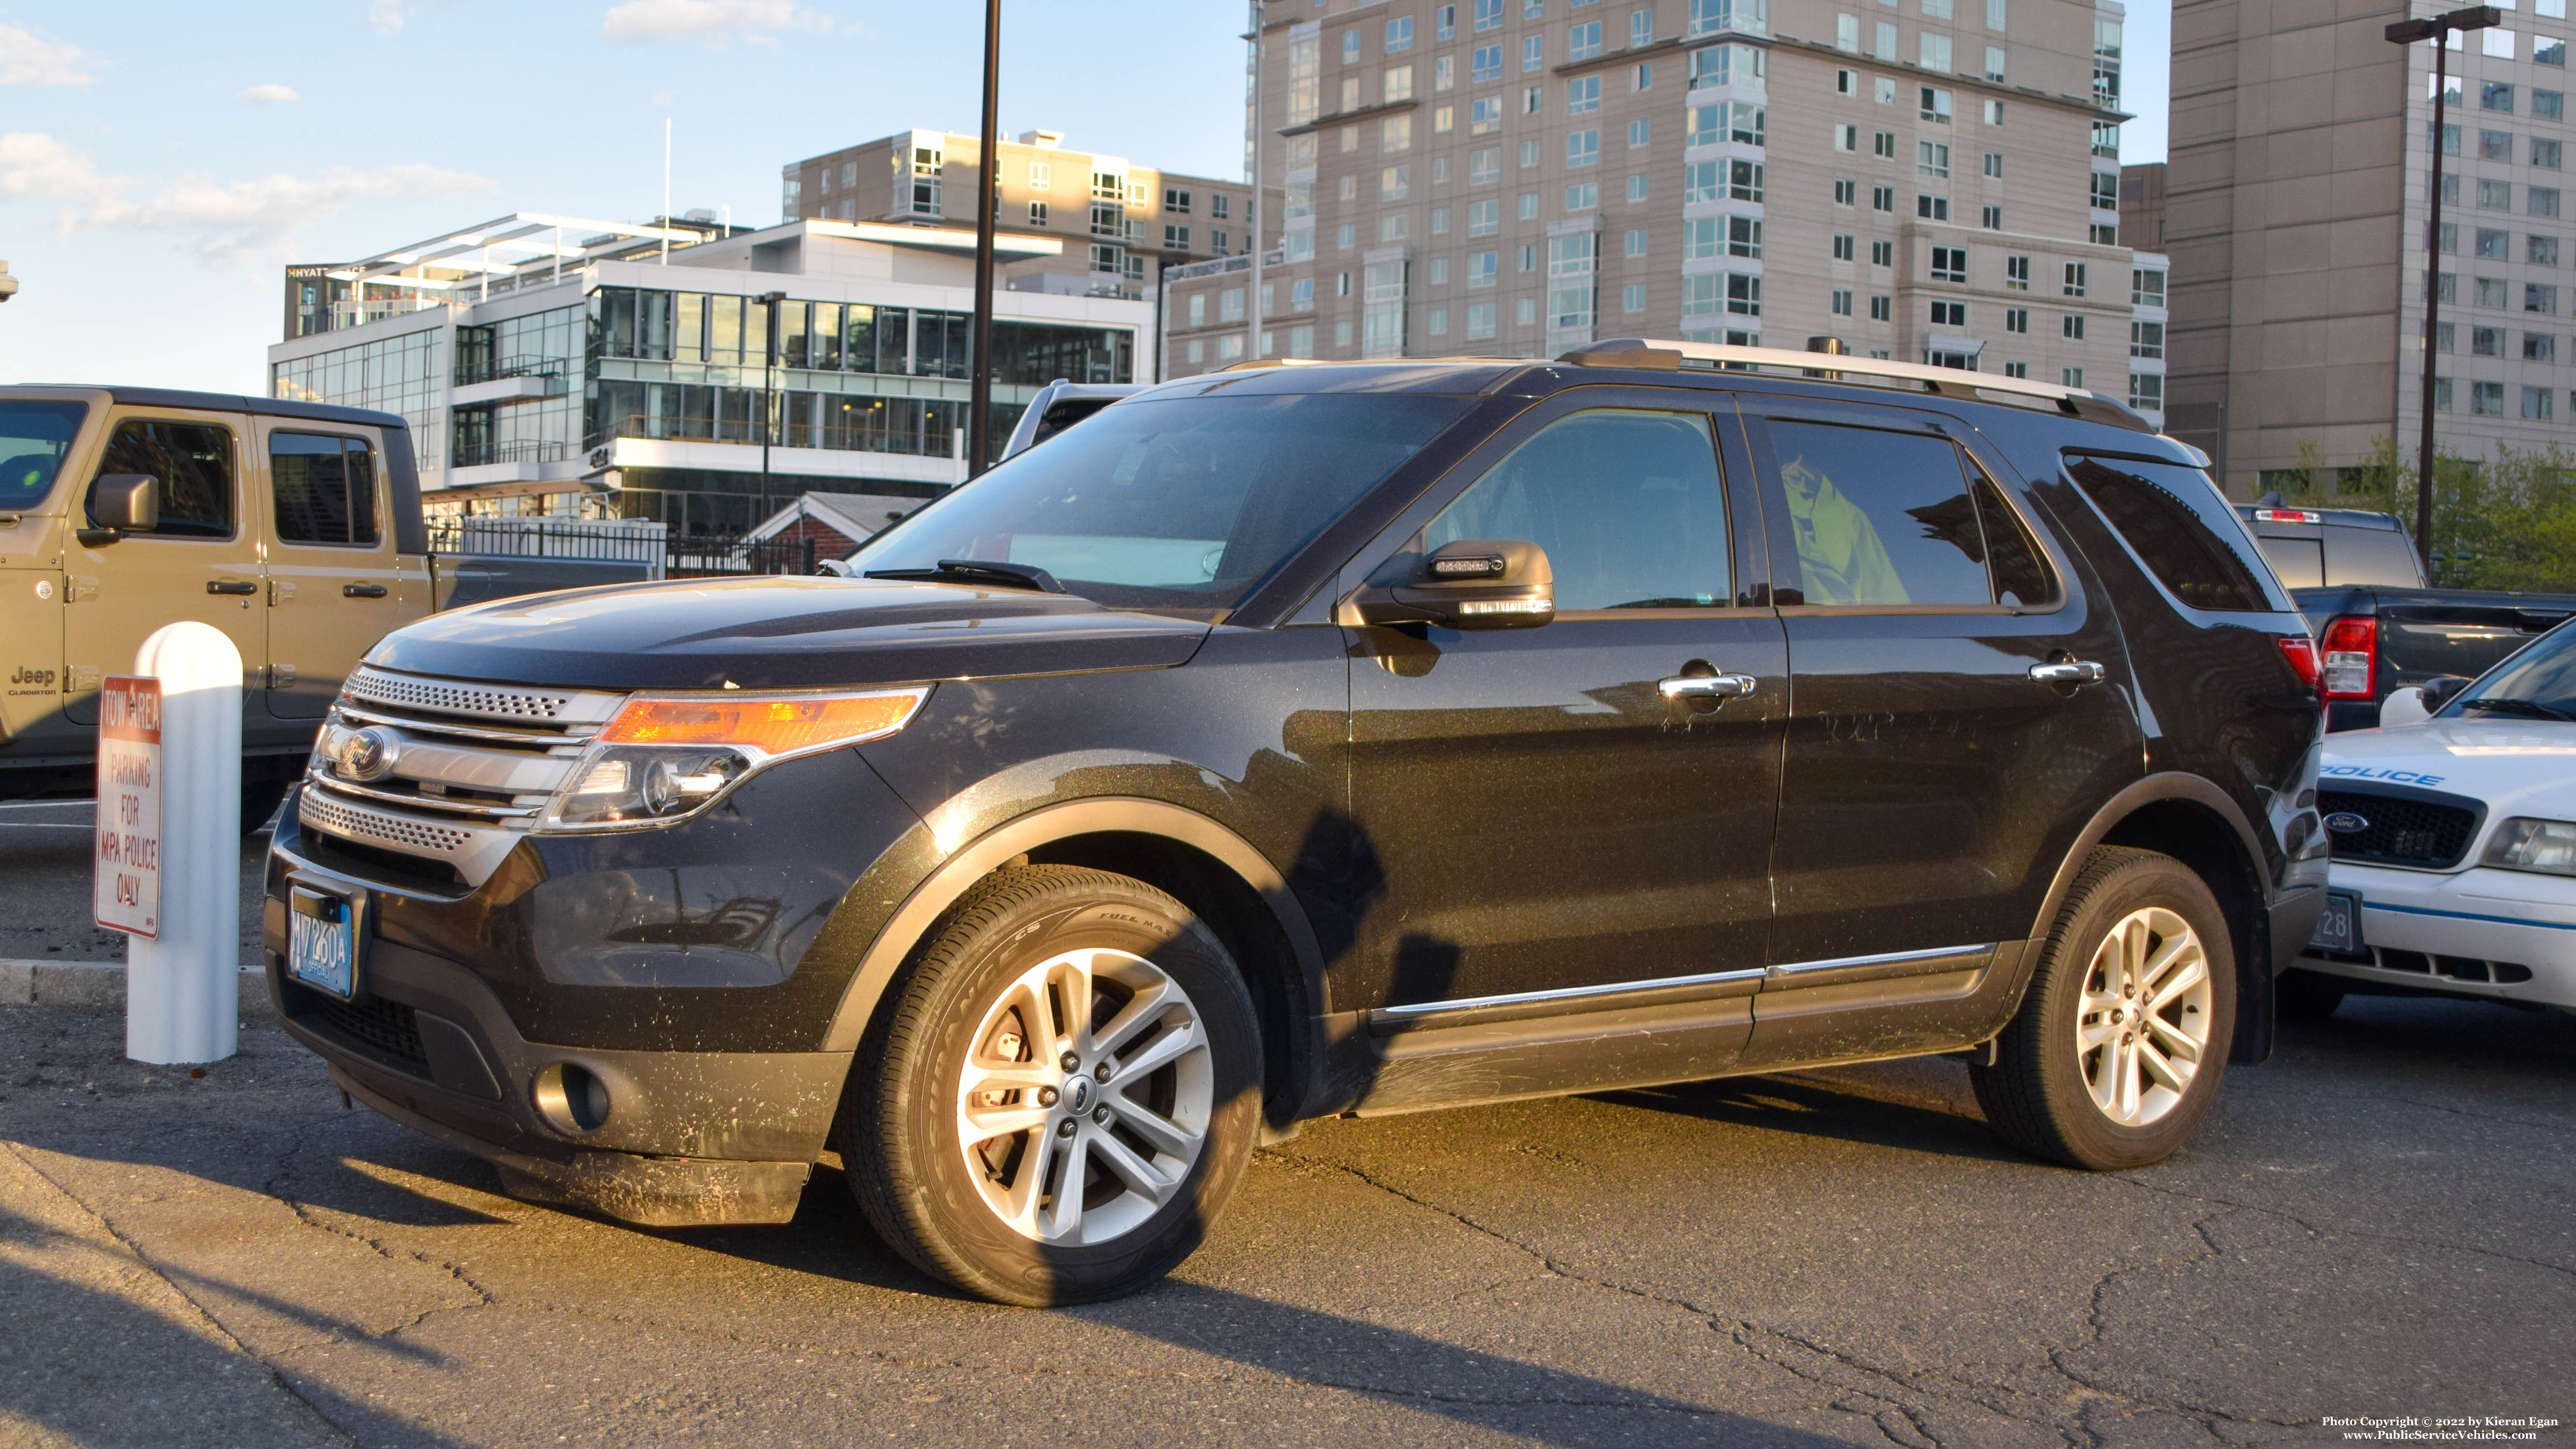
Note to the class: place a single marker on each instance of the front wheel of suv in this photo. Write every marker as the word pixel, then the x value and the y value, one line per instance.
pixel 1063 1094
pixel 2123 1033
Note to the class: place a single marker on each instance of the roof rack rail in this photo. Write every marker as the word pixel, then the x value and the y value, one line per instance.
pixel 1950 382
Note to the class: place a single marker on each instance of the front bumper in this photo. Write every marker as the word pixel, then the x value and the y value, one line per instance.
pixel 2497 935
pixel 689 1137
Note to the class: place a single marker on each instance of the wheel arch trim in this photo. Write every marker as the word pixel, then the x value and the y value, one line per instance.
pixel 980 857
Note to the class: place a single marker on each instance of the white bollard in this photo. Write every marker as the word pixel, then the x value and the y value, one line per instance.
pixel 183 983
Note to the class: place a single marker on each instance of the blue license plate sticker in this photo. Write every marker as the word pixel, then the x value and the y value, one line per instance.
pixel 321 949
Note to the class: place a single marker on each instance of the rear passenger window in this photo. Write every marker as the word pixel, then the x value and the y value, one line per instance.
pixel 2371 556
pixel 1886 519
pixel 1626 504
pixel 325 487
pixel 194 462
pixel 2185 534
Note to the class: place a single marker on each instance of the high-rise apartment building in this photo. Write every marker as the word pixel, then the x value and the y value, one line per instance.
pixel 1120 223
pixel 1935 180
pixel 2298 207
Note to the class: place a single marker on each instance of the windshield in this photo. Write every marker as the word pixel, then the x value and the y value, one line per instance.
pixel 2538 683
pixel 33 438
pixel 1179 504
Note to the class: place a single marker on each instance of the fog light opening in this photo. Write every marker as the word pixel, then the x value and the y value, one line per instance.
pixel 572 1099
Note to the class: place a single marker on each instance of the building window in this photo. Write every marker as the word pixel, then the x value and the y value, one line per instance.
pixel 1932 208
pixel 2495 195
pixel 2540 297
pixel 2147 391
pixel 2074 284
pixel 2491 292
pixel 1743 237
pixel 1632 298
pixel 1744 180
pixel 1582 196
pixel 2536 403
pixel 1842 248
pixel 1839 302
pixel 1533 52
pixel 1641 28
pixel 1525 312
pixel 2495 146
pixel 1994 113
pixel 2106 191
pixel 1481 269
pixel 1484 218
pixel 1881 309
pixel 2017 274
pixel 2539 347
pixel 1583 42
pixel 1935 105
pixel 1882 254
pixel 2494 245
pixel 2540 200
pixel 1949 264
pixel 1037 213
pixel 1934 52
pixel 1882 198
pixel 1949 314
pixel 2016 319
pixel 1399 34
pixel 1446 20
pixel 1439 221
pixel 2549 105
pixel 1480 322
pixel 2071 326
pixel 1175 199
pixel 1485 63
pixel 2070 377
pixel 2146 339
pixel 2486 341
pixel 1699 238
pixel 1176 238
pixel 1883 143
pixel 1931 158
pixel 2495 96
pixel 2146 287
pixel 1991 218
pixel 1394 183
pixel 1529 206
pixel 1845 192
pixel 1847 138
pixel 1637 242
pixel 1994 62
pixel 2486 399
pixel 1582 148
pixel 1583 95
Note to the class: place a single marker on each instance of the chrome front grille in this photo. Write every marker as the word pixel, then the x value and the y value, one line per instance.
pixel 472 765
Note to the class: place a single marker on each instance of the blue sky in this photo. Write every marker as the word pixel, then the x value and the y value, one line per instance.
pixel 160 162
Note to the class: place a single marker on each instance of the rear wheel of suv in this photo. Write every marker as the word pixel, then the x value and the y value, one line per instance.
pixel 2123 1033
pixel 1064 1093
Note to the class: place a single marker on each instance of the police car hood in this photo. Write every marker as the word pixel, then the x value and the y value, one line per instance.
pixel 2517 766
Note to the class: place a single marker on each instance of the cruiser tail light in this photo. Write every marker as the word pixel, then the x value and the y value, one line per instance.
pixel 2302 654
pixel 666 757
pixel 2288 515
pixel 2351 648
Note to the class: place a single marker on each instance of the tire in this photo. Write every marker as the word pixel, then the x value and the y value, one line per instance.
pixel 2072 1085
pixel 2306 996
pixel 984 995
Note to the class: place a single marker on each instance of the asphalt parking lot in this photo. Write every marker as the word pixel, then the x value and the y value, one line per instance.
pixel 2381 1221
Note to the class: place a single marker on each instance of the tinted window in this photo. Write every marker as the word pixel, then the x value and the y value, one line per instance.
pixel 325 487
pixel 1179 503
pixel 1881 518
pixel 194 462
pixel 2371 556
pixel 2020 576
pixel 33 438
pixel 1626 504
pixel 2540 682
pixel 2187 536
pixel 2301 562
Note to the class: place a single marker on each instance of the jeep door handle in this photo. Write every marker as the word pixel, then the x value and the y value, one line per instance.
pixel 1706 686
pixel 2068 671
pixel 232 586
pixel 362 591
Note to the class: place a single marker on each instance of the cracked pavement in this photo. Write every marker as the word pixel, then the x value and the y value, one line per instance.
pixel 2379 1221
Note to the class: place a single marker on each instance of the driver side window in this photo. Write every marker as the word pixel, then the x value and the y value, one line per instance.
pixel 1626 503
pixel 194 462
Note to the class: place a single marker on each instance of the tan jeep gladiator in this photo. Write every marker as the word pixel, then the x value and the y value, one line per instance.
pixel 293 527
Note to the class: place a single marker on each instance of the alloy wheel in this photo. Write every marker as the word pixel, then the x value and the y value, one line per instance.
pixel 2142 1027
pixel 1085 1097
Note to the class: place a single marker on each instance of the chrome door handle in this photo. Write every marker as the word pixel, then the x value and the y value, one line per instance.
pixel 1706 686
pixel 2068 671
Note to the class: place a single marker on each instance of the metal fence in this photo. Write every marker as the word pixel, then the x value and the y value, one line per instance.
pixel 630 540
pixel 708 556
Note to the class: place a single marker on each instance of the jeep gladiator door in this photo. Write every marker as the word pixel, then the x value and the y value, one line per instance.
pixel 201 561
pixel 1543 816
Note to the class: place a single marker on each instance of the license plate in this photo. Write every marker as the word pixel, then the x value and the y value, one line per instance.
pixel 322 944
pixel 2339 929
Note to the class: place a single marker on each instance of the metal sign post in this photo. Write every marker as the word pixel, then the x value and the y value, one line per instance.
pixel 168 871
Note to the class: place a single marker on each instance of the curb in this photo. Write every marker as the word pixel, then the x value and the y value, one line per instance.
pixel 96 985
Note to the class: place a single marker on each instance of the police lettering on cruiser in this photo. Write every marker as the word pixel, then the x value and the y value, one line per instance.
pixel 2393 777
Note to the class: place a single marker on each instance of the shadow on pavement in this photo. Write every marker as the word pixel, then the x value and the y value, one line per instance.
pixel 1811 1108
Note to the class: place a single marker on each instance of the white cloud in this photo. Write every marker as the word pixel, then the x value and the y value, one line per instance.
pixel 386 16
pixel 28 61
pixel 710 22
pixel 271 94
pixel 234 223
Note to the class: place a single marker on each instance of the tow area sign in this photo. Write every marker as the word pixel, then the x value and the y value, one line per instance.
pixel 125 883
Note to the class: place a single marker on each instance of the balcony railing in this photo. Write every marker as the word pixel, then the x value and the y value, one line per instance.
pixel 474 370
pixel 475 455
pixel 854 436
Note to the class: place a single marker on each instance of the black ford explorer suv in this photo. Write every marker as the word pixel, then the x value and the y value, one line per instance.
pixel 1317 739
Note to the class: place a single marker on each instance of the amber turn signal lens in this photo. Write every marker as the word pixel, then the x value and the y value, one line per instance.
pixel 771 725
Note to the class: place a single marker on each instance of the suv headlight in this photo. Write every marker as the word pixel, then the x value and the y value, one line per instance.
pixel 2547 846
pixel 666 757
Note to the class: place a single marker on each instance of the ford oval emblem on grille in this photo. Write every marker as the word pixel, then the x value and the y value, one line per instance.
pixel 2344 822
pixel 369 755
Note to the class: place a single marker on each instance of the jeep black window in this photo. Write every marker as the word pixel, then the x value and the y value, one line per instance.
pixel 33 437
pixel 1177 505
pixel 194 462
pixel 325 486
pixel 1626 504
pixel 2180 528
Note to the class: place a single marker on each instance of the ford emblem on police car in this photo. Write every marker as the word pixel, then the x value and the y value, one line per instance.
pixel 369 755
pixel 2342 822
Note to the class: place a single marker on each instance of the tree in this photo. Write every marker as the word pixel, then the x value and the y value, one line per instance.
pixel 2504 523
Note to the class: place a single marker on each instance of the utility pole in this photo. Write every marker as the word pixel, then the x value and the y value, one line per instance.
pixel 2439 30
pixel 1252 337
pixel 768 395
pixel 979 408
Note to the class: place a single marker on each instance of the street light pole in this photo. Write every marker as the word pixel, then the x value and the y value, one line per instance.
pixel 979 407
pixel 2439 30
pixel 768 394
pixel 1252 330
